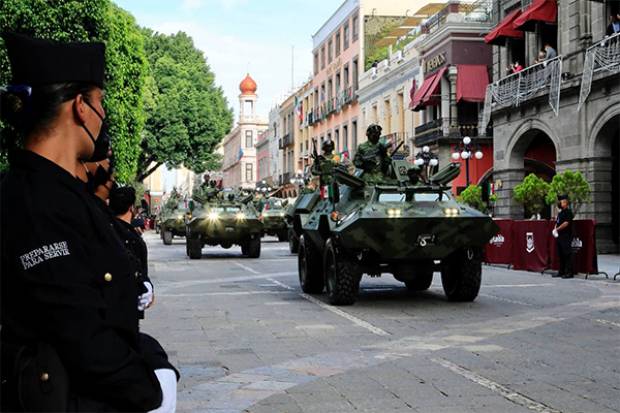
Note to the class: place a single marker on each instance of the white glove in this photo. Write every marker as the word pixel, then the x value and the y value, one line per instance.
pixel 168 383
pixel 145 299
pixel 555 233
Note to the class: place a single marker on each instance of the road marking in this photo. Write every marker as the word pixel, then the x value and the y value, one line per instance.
pixel 191 283
pixel 357 321
pixel 507 300
pixel 607 322
pixel 212 294
pixel 245 267
pixel 518 285
pixel 505 392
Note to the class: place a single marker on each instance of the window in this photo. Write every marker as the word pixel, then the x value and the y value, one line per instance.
pixel 345 35
pixel 354 135
pixel 337 83
pixel 249 172
pixel 249 139
pixel 356 21
pixel 323 57
pixel 338 43
pixel 345 137
pixel 316 62
pixel 330 52
pixel 323 92
pixel 345 75
pixel 337 140
pixel 330 88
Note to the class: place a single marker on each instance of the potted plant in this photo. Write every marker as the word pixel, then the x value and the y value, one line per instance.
pixel 573 184
pixel 532 193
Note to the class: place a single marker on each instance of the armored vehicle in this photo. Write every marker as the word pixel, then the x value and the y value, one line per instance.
pixel 172 221
pixel 409 226
pixel 225 221
pixel 272 217
pixel 297 214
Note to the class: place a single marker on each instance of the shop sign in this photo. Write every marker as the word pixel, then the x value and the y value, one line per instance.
pixel 435 62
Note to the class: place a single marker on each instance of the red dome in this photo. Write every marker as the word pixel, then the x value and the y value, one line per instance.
pixel 248 86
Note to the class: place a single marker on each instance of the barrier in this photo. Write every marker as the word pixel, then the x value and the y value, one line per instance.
pixel 528 245
pixel 531 245
pixel 499 249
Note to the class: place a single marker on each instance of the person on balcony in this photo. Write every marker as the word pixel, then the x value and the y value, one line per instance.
pixel 550 52
pixel 614 25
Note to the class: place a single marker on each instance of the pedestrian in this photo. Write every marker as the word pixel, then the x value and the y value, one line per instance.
pixel 614 25
pixel 122 205
pixel 563 233
pixel 542 55
pixel 550 52
pixel 68 342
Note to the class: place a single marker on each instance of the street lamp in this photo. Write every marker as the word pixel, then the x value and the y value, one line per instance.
pixel 426 158
pixel 464 151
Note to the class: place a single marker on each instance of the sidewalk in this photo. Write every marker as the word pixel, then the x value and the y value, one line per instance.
pixel 610 264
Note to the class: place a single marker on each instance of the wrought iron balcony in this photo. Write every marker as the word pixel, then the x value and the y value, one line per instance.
pixel 602 57
pixel 522 86
pixel 429 132
pixel 287 140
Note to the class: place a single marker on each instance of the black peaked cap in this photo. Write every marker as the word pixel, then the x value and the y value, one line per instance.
pixel 36 62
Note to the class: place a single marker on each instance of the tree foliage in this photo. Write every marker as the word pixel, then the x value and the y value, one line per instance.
pixel 187 114
pixel 572 184
pixel 532 193
pixel 90 20
pixel 472 196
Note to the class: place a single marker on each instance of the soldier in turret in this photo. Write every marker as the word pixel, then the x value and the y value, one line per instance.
pixel 372 156
pixel 323 167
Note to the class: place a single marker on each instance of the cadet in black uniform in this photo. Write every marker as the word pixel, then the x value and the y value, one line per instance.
pixel 564 235
pixel 69 339
pixel 122 202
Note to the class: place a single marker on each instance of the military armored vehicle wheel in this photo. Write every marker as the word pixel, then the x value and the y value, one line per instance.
pixel 342 282
pixel 194 248
pixel 461 275
pixel 282 237
pixel 293 242
pixel 252 247
pixel 311 278
pixel 166 236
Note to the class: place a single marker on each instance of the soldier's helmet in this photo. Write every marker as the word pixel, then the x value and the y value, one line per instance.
pixel 373 129
pixel 327 146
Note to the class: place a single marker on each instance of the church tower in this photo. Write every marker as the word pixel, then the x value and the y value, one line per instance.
pixel 247 100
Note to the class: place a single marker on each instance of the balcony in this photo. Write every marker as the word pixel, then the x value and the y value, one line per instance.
pixel 429 132
pixel 511 91
pixel 285 141
pixel 456 12
pixel 602 59
pixel 285 178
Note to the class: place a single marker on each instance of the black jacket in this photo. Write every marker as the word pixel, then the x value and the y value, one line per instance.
pixel 66 281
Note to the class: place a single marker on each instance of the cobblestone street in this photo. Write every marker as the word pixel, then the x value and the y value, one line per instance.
pixel 245 338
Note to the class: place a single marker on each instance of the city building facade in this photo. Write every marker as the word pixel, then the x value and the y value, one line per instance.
pixel 338 59
pixel 239 163
pixel 562 111
pixel 263 158
pixel 455 63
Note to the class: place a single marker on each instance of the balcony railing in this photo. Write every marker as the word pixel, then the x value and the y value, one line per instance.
pixel 523 86
pixel 457 12
pixel 429 132
pixel 602 56
pixel 287 140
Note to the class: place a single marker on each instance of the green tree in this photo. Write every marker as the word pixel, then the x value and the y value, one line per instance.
pixel 531 193
pixel 89 20
pixel 572 184
pixel 187 114
pixel 472 196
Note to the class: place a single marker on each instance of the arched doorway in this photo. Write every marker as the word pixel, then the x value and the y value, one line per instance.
pixel 607 160
pixel 534 152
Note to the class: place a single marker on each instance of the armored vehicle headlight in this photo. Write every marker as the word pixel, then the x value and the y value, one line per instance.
pixel 281 214
pixel 451 212
pixel 394 212
pixel 213 216
pixel 240 216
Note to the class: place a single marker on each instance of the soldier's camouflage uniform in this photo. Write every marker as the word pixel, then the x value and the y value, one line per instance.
pixel 373 159
pixel 325 168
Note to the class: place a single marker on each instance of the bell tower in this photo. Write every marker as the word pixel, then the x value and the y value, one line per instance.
pixel 247 99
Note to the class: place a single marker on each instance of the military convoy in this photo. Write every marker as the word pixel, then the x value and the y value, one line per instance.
pixel 226 220
pixel 408 225
pixel 273 218
pixel 172 220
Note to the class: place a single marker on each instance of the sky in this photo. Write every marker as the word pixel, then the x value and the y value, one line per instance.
pixel 241 36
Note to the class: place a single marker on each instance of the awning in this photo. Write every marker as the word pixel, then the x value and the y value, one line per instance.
pixel 425 95
pixel 504 30
pixel 471 83
pixel 544 11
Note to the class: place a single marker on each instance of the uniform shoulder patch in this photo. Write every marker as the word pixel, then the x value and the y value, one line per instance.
pixel 44 253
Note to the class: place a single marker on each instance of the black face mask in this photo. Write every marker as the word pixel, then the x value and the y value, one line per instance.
pixel 102 143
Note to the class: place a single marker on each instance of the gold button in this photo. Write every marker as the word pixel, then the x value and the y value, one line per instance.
pixel 45 377
pixel 107 277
